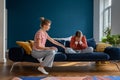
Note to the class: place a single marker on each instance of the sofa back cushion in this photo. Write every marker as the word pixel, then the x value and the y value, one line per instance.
pixel 91 43
pixel 67 43
pixel 50 44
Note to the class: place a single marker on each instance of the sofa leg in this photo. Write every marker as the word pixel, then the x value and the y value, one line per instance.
pixel 13 66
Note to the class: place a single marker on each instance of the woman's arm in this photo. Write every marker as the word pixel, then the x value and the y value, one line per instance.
pixel 55 42
pixel 84 42
pixel 72 43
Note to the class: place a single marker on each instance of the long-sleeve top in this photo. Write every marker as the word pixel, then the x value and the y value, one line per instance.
pixel 78 45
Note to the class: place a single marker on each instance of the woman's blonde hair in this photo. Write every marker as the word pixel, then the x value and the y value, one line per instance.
pixel 78 33
pixel 44 21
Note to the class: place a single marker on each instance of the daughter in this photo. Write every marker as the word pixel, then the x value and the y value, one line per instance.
pixel 79 43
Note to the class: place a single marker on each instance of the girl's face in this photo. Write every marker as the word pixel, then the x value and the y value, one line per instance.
pixel 78 38
pixel 47 26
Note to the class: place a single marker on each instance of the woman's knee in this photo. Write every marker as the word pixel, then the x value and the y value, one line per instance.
pixel 52 52
pixel 90 49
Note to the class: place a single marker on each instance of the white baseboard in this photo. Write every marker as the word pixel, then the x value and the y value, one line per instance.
pixel 2 60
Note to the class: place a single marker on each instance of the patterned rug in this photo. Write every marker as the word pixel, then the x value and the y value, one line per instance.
pixel 69 78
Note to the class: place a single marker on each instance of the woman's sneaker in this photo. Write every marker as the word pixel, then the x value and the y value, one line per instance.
pixel 41 69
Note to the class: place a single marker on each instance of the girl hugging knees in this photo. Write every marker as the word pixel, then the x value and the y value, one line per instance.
pixel 78 44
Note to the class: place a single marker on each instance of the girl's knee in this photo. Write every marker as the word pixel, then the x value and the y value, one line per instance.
pixel 91 49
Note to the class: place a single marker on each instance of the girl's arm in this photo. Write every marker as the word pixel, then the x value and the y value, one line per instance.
pixel 84 42
pixel 72 43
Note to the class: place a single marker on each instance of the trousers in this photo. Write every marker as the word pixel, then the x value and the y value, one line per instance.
pixel 47 55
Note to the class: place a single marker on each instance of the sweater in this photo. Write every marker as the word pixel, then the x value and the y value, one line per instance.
pixel 80 44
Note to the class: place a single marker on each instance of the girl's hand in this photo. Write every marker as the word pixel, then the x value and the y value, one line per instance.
pixel 80 42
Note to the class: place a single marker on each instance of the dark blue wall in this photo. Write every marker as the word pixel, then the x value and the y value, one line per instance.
pixel 67 16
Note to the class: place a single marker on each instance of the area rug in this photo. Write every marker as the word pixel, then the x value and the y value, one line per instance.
pixel 70 78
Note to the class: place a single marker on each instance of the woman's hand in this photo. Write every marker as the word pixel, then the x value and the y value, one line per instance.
pixel 63 46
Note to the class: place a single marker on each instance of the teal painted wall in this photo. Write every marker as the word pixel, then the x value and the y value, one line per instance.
pixel 67 16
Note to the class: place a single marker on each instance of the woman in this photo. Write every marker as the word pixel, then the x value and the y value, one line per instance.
pixel 79 43
pixel 40 51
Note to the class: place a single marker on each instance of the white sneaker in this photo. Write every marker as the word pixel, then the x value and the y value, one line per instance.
pixel 42 70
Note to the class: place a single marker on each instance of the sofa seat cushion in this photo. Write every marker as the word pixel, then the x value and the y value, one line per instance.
pixel 95 56
pixel 29 58
pixel 59 56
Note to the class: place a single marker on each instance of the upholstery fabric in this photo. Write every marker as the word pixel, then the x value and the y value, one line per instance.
pixel 95 56
pixel 100 47
pixel 113 52
pixel 60 49
pixel 67 43
pixel 60 57
pixel 16 54
pixel 25 45
pixel 91 43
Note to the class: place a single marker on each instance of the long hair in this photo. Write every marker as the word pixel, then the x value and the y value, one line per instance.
pixel 78 33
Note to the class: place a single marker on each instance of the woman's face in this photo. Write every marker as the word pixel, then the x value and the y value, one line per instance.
pixel 78 36
pixel 47 26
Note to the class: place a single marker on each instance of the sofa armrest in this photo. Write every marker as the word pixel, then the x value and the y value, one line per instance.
pixel 16 54
pixel 113 52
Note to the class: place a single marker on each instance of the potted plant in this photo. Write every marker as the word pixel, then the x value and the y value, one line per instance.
pixel 111 39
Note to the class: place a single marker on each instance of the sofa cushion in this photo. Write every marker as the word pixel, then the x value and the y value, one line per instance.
pixel 50 44
pixel 16 54
pixel 31 43
pixel 95 56
pixel 100 47
pixel 67 43
pixel 59 56
pixel 25 45
pixel 91 43
pixel 113 52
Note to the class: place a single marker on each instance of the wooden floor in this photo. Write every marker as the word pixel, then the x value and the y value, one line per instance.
pixel 59 69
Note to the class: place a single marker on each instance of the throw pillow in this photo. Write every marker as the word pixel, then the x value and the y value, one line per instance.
pixel 91 43
pixel 31 43
pixel 101 47
pixel 25 45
